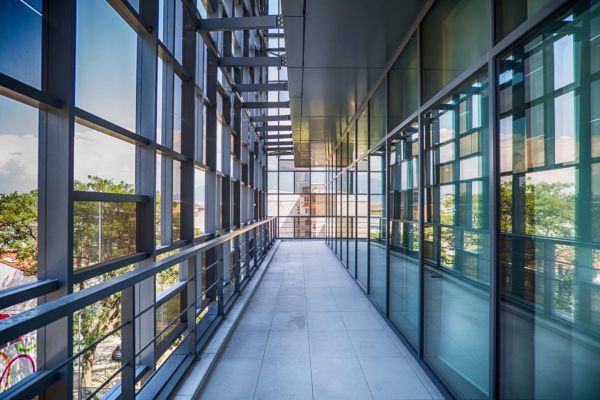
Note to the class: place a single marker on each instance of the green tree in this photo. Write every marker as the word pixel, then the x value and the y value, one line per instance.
pixel 101 231
pixel 18 229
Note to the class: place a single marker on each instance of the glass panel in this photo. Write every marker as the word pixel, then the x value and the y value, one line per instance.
pixel 549 242
pixel 302 182
pixel 21 41
pixel 457 264
pixel 362 221
pixel 199 201
pixel 95 366
pixel 18 194
pixel 455 34
pixel 106 64
pixel 511 13
pixel 362 133
pixel 103 163
pixel 286 182
pixel 378 115
pixel 403 84
pixel 102 231
pixel 404 232
pixel 18 223
pixel 176 203
pixel 377 227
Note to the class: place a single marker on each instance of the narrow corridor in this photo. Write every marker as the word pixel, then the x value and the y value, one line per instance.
pixel 309 332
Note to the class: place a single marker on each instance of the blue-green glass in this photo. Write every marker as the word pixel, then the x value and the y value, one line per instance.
pixel 362 221
pixel 378 115
pixel 404 232
pixel 403 85
pixel 456 248
pixel 454 37
pixel 343 219
pixel 352 220
pixel 377 227
pixel 550 211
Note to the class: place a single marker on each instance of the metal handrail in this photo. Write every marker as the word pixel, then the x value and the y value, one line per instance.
pixel 38 317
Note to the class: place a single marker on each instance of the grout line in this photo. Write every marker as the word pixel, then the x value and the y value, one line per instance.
pixel 262 360
pixel 312 386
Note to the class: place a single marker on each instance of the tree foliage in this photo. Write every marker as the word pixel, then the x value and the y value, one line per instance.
pixel 18 229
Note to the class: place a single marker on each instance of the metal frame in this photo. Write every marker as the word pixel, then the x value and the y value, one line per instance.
pixel 243 202
pixel 488 63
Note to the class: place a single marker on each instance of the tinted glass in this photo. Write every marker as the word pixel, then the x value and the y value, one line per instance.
pixel 456 252
pixel 455 36
pixel 550 213
pixel 403 84
pixel 377 227
pixel 404 232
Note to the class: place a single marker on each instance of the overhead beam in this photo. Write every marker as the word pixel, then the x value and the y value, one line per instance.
pixel 268 118
pixel 240 23
pixel 274 35
pixel 274 128
pixel 252 61
pixel 265 104
pixel 260 87
pixel 279 144
pixel 277 137
pixel 276 49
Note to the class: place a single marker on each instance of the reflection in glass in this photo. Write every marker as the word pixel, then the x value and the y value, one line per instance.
pixel 377 227
pixel 550 214
pixel 456 252
pixel 362 220
pixel 403 84
pixel 21 41
pixel 404 232
pixel 106 66
pixel 455 35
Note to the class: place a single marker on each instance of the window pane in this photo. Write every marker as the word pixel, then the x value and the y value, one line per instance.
pixel 377 227
pixel 21 41
pixel 403 84
pixel 404 232
pixel 106 64
pixel 378 115
pixel 102 231
pixel 103 163
pixel 199 201
pixel 457 264
pixel 176 204
pixel 511 13
pixel 18 194
pixel 455 36
pixel 549 245
pixel 18 221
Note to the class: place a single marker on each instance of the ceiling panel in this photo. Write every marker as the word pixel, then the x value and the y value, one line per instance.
pixel 336 50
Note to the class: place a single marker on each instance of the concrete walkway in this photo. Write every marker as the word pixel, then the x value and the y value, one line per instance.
pixel 309 332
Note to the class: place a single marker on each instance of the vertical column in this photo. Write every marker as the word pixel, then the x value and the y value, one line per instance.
pixel 56 130
pixel 146 177
pixel 188 146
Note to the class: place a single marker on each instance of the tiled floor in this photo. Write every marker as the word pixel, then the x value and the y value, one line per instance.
pixel 310 333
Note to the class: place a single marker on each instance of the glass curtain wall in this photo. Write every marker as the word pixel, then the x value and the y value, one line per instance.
pixel 404 216
pixel 298 198
pixel 491 213
pixel 549 256
pixel 139 122
pixel 455 243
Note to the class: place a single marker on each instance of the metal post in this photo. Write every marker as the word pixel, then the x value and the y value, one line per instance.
pixel 128 310
pixel 56 133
